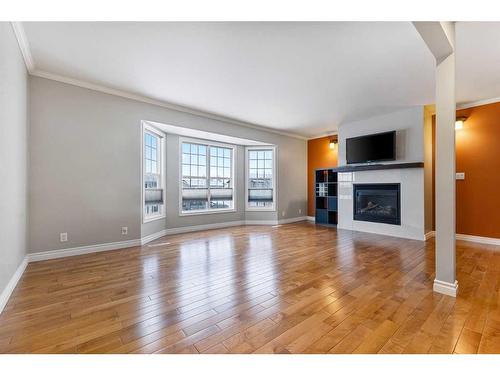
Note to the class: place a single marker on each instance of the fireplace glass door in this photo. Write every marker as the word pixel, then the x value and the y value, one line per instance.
pixel 378 203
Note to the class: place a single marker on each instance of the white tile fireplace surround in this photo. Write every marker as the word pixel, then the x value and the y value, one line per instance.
pixel 412 201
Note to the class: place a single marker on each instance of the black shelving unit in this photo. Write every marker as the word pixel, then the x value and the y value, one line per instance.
pixel 326 190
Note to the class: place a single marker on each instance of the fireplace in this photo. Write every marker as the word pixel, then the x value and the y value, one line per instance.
pixel 378 203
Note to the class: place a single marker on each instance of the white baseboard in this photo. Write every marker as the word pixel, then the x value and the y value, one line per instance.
pixel 469 238
pixel 311 218
pixel 151 237
pixel 276 222
pixel 430 234
pixel 292 220
pixel 261 222
pixel 80 250
pixel 443 287
pixel 11 285
pixel 478 239
pixel 196 228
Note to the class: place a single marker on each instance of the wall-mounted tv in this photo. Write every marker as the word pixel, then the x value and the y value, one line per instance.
pixel 371 148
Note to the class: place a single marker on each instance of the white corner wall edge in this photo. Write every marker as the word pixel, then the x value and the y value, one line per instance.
pixel 443 287
pixel 11 285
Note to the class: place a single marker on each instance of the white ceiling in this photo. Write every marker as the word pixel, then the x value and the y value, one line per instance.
pixel 305 78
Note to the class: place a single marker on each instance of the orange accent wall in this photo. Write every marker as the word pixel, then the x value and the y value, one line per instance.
pixel 319 155
pixel 478 155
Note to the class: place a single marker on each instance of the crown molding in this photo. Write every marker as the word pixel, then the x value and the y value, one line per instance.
pixel 32 70
pixel 324 135
pixel 24 46
pixel 159 103
pixel 477 103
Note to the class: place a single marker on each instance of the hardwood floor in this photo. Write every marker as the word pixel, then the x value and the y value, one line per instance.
pixel 296 288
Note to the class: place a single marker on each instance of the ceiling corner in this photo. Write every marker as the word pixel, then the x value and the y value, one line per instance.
pixel 24 46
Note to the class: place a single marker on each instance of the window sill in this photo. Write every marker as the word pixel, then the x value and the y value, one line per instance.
pixel 153 218
pixel 211 212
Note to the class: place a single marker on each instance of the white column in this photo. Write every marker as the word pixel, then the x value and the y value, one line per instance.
pixel 440 39
pixel 445 281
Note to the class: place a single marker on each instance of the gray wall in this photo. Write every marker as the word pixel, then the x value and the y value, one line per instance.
pixel 409 127
pixel 13 155
pixel 85 167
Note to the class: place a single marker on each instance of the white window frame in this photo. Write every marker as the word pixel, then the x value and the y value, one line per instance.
pixel 275 174
pixel 205 142
pixel 162 164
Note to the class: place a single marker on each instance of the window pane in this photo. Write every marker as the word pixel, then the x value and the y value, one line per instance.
pixel 152 175
pixel 186 148
pixel 194 159
pixel 185 170
pixel 154 141
pixel 194 192
pixel 260 179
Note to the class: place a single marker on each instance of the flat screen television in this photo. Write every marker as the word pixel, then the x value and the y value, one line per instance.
pixel 371 148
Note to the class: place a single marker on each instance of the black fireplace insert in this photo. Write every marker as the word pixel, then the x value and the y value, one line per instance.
pixel 378 203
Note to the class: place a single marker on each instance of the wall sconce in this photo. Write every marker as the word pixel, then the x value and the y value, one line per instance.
pixel 459 123
pixel 333 143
